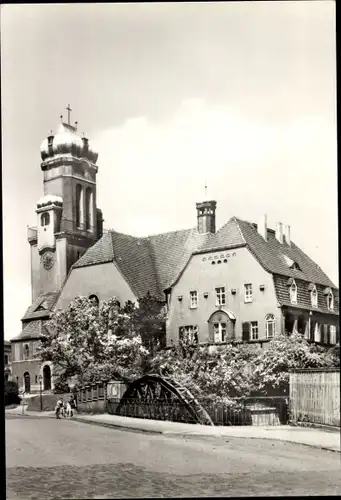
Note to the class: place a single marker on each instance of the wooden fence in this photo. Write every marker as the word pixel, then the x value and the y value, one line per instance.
pixel 315 396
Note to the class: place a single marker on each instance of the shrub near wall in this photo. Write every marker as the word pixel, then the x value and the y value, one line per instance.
pixel 11 393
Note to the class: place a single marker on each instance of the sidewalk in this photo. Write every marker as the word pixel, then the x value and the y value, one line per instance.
pixel 315 437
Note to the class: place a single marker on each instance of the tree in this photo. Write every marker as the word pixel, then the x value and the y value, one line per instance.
pixel 148 321
pixel 92 341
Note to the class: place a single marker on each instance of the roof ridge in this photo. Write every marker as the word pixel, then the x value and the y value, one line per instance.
pixel 170 232
pixel 236 220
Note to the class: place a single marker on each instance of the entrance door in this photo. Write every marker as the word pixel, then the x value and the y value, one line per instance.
pixel 27 382
pixel 47 378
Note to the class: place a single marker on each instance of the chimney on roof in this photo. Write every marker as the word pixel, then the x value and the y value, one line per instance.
pixel 279 232
pixel 287 234
pixel 262 227
pixel 206 216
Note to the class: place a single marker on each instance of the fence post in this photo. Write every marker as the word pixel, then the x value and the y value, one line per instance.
pixel 105 393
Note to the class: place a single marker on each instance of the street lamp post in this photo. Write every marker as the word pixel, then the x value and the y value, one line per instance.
pixel 40 392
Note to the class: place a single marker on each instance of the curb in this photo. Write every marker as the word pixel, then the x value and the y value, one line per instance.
pixel 116 426
pixel 127 428
pixel 183 434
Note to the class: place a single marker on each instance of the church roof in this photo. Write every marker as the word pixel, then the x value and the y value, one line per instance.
pixel 153 264
pixel 32 330
pixel 41 307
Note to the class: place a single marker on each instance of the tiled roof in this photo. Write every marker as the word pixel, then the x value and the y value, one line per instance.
pixel 32 330
pixel 171 252
pixel 46 301
pixel 153 263
pixel 303 295
pixel 270 254
pixel 99 253
pixel 134 259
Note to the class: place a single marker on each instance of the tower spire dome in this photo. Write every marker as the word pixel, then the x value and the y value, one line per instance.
pixel 67 142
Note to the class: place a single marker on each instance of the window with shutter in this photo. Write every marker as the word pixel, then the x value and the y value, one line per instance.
pixel 246 332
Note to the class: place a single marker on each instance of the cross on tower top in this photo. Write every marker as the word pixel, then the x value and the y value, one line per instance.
pixel 68 109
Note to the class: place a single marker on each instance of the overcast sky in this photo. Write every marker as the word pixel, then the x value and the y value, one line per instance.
pixel 241 95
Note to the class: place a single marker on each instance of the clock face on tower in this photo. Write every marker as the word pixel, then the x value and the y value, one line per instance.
pixel 48 260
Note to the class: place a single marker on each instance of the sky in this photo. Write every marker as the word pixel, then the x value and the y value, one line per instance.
pixel 240 95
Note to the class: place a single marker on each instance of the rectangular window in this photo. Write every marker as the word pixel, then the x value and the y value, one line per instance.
pixel 317 332
pixel 6 359
pixel 193 299
pixel 254 330
pixel 248 292
pixel 270 326
pixel 220 296
pixel 189 333
pixel 332 333
pixel 220 332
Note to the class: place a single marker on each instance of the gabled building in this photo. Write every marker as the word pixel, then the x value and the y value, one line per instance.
pixel 243 282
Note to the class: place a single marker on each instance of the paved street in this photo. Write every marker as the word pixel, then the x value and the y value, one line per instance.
pixel 48 458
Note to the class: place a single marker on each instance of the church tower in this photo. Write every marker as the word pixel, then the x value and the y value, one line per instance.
pixel 68 220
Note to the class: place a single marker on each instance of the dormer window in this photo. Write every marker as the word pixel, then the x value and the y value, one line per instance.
pixel 45 219
pixel 313 295
pixel 293 292
pixel 330 298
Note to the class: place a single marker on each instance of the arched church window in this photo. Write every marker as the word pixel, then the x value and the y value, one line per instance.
pixel 26 351
pixel 45 219
pixel 79 205
pixel 88 209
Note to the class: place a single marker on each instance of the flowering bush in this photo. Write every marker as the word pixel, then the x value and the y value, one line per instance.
pixel 106 341
pixel 93 342
pixel 241 370
pixel 286 353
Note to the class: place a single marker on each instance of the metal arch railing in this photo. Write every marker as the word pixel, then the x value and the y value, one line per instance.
pixel 185 397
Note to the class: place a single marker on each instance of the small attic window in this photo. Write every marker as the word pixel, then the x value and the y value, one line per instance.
pixel 43 306
pixel 291 263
